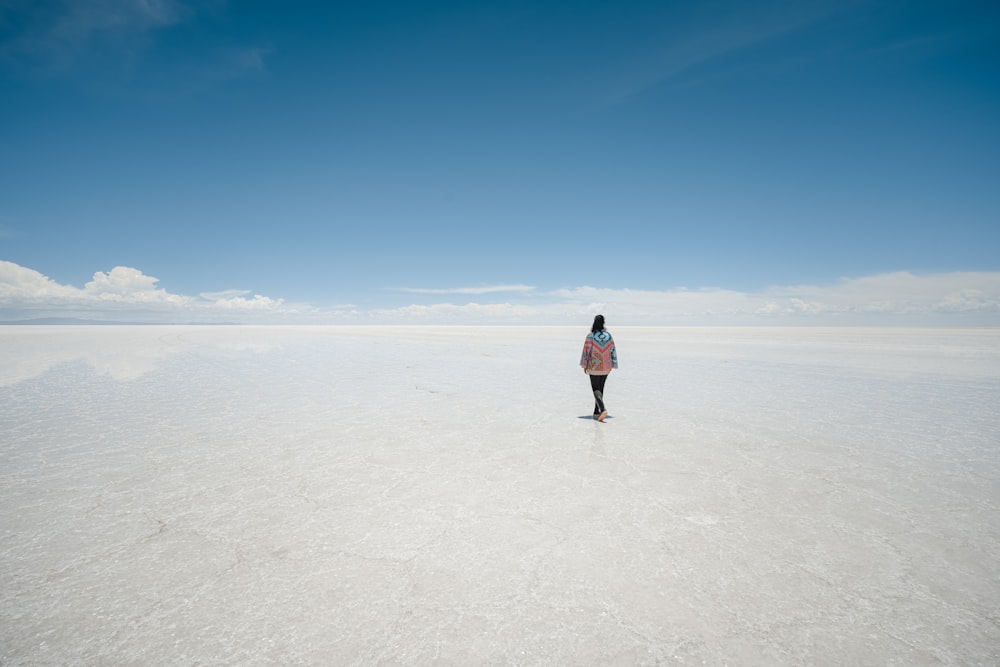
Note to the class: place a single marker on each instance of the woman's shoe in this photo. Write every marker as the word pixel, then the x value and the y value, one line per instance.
pixel 601 417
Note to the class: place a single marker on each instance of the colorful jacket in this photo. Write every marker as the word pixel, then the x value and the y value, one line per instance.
pixel 599 355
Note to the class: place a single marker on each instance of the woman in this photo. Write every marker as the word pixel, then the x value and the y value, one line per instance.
pixel 598 359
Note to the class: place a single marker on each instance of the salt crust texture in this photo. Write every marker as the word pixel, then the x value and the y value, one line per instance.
pixel 393 495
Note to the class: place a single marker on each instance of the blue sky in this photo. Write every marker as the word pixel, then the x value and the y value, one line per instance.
pixel 500 161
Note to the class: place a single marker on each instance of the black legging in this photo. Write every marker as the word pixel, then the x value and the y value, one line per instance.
pixel 597 385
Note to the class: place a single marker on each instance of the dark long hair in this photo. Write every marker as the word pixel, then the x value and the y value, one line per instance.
pixel 598 323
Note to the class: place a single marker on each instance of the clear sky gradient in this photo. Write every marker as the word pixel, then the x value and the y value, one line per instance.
pixel 446 158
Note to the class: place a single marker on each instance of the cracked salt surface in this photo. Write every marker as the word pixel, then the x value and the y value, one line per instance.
pixel 393 495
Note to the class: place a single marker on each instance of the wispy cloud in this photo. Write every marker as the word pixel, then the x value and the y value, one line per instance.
pixel 486 289
pixel 83 18
pixel 70 37
pixel 960 298
pixel 6 231
pixel 248 59
pixel 51 35
pixel 713 36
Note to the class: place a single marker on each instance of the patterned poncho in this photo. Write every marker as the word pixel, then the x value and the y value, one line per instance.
pixel 599 355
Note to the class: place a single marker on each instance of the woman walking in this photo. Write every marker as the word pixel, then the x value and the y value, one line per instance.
pixel 598 359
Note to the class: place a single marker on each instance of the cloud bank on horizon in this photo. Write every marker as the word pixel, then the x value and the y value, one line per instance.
pixel 127 294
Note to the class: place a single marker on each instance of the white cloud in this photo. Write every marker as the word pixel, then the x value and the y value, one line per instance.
pixel 458 313
pixel 878 299
pixel 128 293
pixel 903 293
pixel 226 294
pixel 129 285
pixel 123 293
pixel 19 284
pixel 257 303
